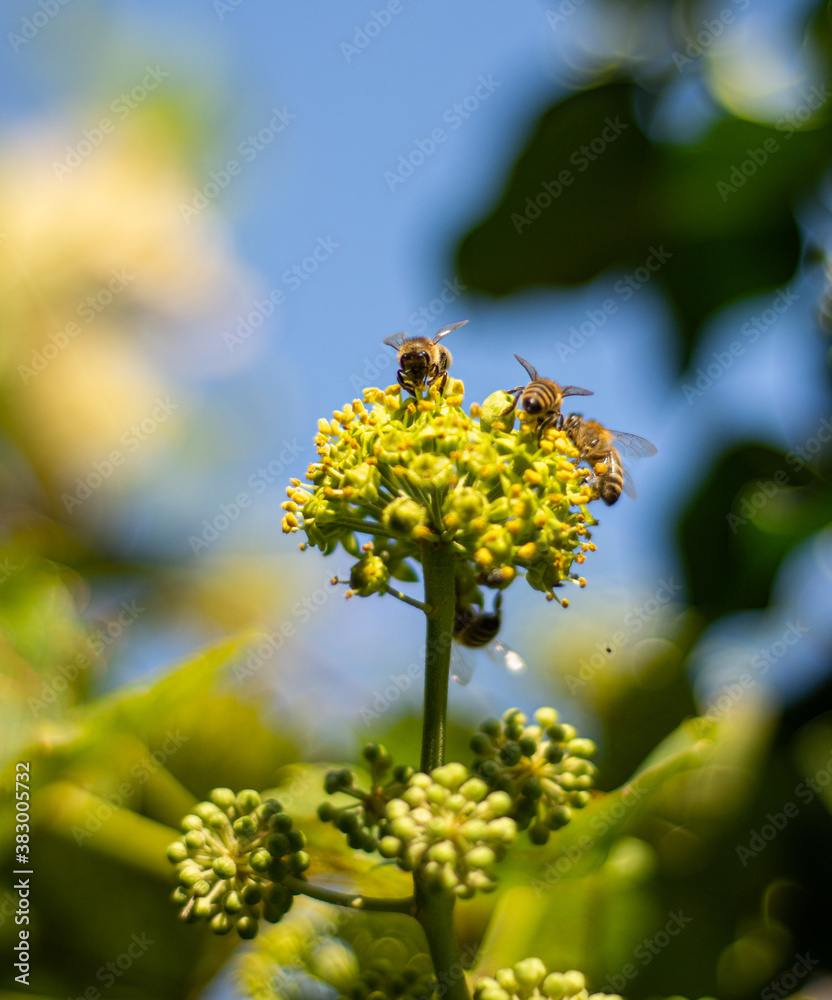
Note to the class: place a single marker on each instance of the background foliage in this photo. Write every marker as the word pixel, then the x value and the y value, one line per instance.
pixel 708 596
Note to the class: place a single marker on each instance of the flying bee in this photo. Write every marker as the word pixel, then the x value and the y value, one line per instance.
pixel 542 397
pixel 599 445
pixel 422 361
pixel 477 629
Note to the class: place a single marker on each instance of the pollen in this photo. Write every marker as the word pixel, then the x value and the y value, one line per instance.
pixel 407 472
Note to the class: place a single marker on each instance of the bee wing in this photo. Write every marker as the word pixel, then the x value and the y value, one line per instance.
pixel 505 656
pixel 633 446
pixel 530 369
pixel 575 390
pixel 395 339
pixel 462 664
pixel 629 485
pixel 446 330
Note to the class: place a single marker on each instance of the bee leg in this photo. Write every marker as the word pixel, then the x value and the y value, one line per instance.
pixel 546 422
pixel 442 384
pixel 516 393
pixel 405 385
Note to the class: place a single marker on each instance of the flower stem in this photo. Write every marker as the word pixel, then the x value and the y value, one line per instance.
pixel 435 908
pixel 377 903
pixel 438 566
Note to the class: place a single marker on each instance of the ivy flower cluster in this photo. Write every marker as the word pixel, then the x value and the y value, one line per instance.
pixel 530 980
pixel 362 820
pixel 234 854
pixel 450 830
pixel 543 768
pixel 407 471
pixel 321 952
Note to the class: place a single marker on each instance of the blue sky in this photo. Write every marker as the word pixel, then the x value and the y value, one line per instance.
pixel 480 73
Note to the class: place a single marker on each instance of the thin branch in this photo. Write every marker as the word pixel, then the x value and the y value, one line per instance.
pixel 401 904
pixel 426 608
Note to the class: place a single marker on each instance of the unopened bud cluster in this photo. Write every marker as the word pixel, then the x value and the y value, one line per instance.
pixel 544 768
pixel 530 980
pixel 339 955
pixel 361 821
pixel 407 471
pixel 234 854
pixel 450 830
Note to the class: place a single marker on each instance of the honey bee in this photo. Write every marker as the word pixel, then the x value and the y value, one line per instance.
pixel 422 361
pixel 599 445
pixel 542 397
pixel 477 629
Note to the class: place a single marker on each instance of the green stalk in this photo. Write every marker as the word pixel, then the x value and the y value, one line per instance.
pixel 435 908
pixel 438 566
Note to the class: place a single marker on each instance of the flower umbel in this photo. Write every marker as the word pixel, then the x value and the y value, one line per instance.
pixel 531 980
pixel 361 820
pixel 407 471
pixel 450 830
pixel 543 767
pixel 235 852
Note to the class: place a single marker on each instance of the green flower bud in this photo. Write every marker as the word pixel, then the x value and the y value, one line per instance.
pixel 546 717
pixel 261 860
pixel 299 861
pixel 530 972
pixel 177 852
pixel 191 822
pixel 225 867
pixel 232 903
pixel 507 980
pixel 402 515
pixel 280 822
pixel 389 847
pixel 369 575
pixel 247 800
pixel 220 924
pixel 223 798
pixel 247 928
pixel 278 844
pixel 474 789
pixel 244 826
